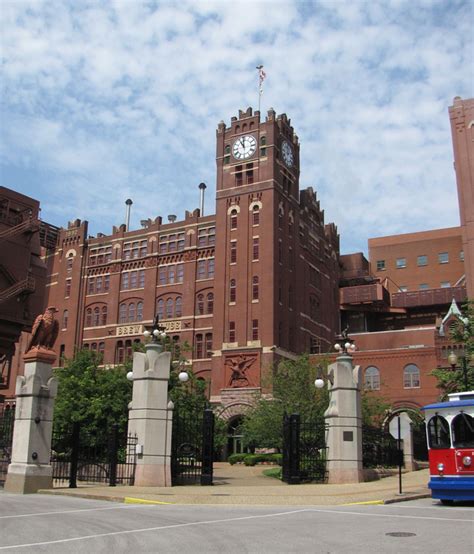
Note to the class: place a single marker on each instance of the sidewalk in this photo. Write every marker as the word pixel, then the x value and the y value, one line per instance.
pixel 242 485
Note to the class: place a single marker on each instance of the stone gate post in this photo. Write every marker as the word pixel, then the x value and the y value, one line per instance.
pixel 150 418
pixel 344 419
pixel 30 468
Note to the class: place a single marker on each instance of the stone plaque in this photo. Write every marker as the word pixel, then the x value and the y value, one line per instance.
pixel 348 436
pixel 127 330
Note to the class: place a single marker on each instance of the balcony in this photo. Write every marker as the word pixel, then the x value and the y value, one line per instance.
pixel 364 294
pixel 429 297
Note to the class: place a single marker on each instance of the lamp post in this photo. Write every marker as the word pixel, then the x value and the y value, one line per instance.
pixel 453 360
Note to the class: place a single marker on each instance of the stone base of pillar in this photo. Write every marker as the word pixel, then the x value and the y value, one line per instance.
pixel 341 476
pixel 152 475
pixel 28 478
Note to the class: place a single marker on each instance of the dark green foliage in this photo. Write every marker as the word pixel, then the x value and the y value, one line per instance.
pixel 94 396
pixel 253 459
pixel 374 409
pixel 236 458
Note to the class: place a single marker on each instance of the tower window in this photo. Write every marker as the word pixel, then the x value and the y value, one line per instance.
pixel 231 331
pixel 68 288
pixel 255 215
pixel 233 219
pixel 238 175
pixel 255 248
pixel 255 290
pixel 233 292
pixel 254 329
pixel 233 252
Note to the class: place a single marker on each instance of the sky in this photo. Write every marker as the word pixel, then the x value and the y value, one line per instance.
pixel 104 101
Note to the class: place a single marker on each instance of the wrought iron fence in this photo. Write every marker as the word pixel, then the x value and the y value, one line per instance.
pixel 379 448
pixel 81 457
pixel 7 422
pixel 304 450
pixel 192 448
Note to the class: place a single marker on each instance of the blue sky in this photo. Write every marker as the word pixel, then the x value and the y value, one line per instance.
pixel 102 101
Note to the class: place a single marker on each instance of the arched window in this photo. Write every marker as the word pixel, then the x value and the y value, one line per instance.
pixel 139 311
pixel 94 346
pixel 210 303
pixel 85 346
pixel 462 427
pixel 160 308
pixel 131 312
pixel 169 308
pixel 103 318
pixel 123 313
pixel 65 319
pixel 233 219
pixel 255 215
pixel 232 291
pixel 438 432
pixel 411 377
pixel 89 317
pixel 101 348
pixel 200 304
pixel 372 378
pixel 178 307
pixel 96 320
pixel 198 346
pixel 128 349
pixel 255 290
pixel 208 345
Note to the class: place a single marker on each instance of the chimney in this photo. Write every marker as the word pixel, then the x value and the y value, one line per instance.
pixel 202 188
pixel 171 218
pixel 128 203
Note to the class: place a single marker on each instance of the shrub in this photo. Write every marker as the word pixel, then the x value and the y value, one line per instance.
pixel 236 458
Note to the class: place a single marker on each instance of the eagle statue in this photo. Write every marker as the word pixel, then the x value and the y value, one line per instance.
pixel 45 330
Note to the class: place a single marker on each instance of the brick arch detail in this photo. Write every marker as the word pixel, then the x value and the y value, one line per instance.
pixel 233 410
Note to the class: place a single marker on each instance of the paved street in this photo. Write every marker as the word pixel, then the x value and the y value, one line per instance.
pixel 54 524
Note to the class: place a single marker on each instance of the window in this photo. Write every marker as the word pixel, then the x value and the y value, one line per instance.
pixel 179 273
pixel 65 319
pixel 160 308
pixel 401 263
pixel 231 331
pixel 249 174
pixel 411 377
pixel 233 219
pixel 178 307
pixel 69 262
pixel 106 282
pixel 133 279
pixel 422 260
pixel 423 286
pixel 208 345
pixel 98 285
pixel 103 316
pixel 101 349
pixel 233 252
pixel 210 267
pixel 201 269
pixel 255 290
pixel 91 285
pixel 255 215
pixel 372 378
pixel 443 257
pixel 199 346
pixel 445 284
pixel 162 275
pixel 232 291
pixel 119 352
pixel 125 281
pixel 123 313
pixel 210 303
pixel 141 278
pixel 131 312
pixel 96 319
pixel 255 248
pixel 89 317
pixel 169 308
pixel 381 265
pixel 68 288
pixel 463 431
pixel 143 248
pixel 254 329
pixel 207 236
pixel 461 256
pixel 200 304
pixel 171 274
pixel 438 432
pixel 238 176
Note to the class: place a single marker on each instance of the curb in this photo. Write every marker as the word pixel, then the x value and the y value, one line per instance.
pixel 409 496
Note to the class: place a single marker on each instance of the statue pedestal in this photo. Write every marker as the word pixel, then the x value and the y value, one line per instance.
pixel 344 419
pixel 30 468
pixel 150 418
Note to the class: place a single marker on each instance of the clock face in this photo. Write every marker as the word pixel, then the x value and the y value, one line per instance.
pixel 244 147
pixel 287 153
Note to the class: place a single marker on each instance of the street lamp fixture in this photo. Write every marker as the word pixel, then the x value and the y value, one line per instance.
pixel 344 344
pixel 453 360
pixel 156 332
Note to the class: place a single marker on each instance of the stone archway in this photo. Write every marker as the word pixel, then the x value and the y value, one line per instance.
pixel 233 415
pixel 418 448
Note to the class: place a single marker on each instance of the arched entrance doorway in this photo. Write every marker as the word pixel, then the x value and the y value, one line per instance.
pixel 235 443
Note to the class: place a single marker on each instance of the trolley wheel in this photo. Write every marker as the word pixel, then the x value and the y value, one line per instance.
pixel 446 502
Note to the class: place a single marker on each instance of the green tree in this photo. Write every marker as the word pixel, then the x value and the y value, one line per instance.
pixel 462 332
pixel 91 395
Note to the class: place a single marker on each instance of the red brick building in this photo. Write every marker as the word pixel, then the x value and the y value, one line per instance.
pixel 253 282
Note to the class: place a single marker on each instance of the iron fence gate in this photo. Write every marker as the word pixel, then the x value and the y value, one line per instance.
pixel 79 456
pixel 7 422
pixel 192 448
pixel 304 450
pixel 379 448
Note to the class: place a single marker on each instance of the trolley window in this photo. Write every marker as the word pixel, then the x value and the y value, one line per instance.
pixel 462 427
pixel 438 432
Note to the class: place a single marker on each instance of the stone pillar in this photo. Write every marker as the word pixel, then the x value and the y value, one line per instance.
pixel 344 419
pixel 150 418
pixel 30 468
